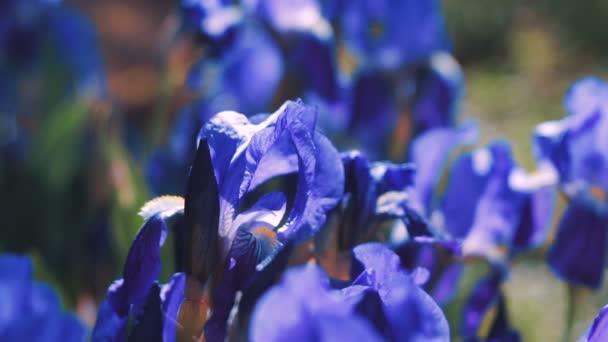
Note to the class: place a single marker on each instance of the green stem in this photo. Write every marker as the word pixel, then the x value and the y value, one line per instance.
pixel 570 312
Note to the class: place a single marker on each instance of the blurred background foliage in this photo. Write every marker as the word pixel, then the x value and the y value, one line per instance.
pixel 73 204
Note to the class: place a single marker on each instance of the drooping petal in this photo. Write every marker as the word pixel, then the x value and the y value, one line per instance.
pixel 578 253
pixel 440 91
pixel 374 113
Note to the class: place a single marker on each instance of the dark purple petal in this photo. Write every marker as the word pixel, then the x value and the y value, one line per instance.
pixel 359 200
pixel 578 252
pixel 441 89
pixel 109 325
pixel 141 269
pixel 201 212
pixel 501 330
pixel 536 219
pixel 485 294
pixel 148 325
pixel 315 61
pixel 374 113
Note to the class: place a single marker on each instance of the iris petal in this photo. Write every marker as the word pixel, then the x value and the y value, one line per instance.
pixel 171 296
pixel 578 253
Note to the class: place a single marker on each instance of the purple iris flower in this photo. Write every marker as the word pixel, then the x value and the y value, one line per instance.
pixel 245 156
pixel 216 23
pixel 391 33
pixel 375 193
pixel 575 147
pixel 225 238
pixel 410 313
pixel 303 307
pixel 385 109
pixel 383 302
pixel 598 331
pixel 31 311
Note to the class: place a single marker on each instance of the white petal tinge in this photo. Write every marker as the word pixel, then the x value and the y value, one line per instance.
pixel 165 206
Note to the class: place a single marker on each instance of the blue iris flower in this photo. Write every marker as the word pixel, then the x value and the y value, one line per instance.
pixel 383 301
pixel 410 313
pixel 31 310
pixel 246 155
pixel 225 239
pixel 392 33
pixel 598 331
pixel 575 147
pixel 375 193
pixel 303 307
pixel 215 22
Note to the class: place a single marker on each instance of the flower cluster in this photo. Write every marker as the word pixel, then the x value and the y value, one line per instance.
pixel 320 185
pixel 279 236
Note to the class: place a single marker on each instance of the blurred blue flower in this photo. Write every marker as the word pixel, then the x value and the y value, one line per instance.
pixel 375 193
pixel 304 308
pixel 391 33
pixel 410 313
pixel 598 331
pixel 575 147
pixel 215 22
pixel 506 210
pixel 246 77
pixel 31 311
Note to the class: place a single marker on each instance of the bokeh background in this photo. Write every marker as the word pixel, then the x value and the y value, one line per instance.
pixel 73 205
